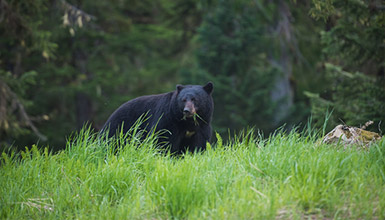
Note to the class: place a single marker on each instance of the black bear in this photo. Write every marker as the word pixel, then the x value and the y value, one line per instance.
pixel 186 113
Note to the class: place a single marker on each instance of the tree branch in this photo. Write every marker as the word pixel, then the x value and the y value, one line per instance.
pixel 6 91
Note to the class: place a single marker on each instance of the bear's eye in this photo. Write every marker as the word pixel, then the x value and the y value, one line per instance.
pixel 193 99
pixel 184 100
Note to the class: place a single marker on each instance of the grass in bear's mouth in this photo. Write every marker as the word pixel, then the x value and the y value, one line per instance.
pixel 195 118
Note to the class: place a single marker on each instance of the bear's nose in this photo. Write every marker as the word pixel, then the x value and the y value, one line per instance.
pixel 186 110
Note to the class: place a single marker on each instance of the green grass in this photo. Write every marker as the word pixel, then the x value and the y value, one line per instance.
pixel 283 177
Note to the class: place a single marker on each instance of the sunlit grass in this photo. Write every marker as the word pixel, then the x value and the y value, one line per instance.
pixel 286 176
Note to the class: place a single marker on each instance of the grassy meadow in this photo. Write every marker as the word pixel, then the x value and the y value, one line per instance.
pixel 285 176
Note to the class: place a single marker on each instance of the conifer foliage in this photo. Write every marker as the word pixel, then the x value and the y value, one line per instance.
pixel 354 64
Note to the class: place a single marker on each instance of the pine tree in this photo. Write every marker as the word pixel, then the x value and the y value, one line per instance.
pixel 354 42
pixel 240 50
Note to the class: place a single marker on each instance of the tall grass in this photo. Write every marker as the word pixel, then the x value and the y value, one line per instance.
pixel 286 176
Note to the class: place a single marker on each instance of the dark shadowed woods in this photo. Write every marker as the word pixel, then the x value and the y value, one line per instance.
pixel 273 63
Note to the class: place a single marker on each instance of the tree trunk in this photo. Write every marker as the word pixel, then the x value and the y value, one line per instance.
pixel 283 92
pixel 84 108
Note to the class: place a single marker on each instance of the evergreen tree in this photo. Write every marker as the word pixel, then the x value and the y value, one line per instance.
pixel 242 49
pixel 68 63
pixel 22 36
pixel 354 42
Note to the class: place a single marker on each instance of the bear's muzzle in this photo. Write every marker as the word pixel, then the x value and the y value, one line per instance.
pixel 189 109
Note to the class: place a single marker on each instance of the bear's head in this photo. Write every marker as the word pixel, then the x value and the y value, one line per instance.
pixel 195 101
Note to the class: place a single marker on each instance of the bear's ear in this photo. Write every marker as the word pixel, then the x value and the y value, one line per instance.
pixel 179 87
pixel 208 87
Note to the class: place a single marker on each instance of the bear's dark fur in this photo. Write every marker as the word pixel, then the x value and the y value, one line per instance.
pixel 186 113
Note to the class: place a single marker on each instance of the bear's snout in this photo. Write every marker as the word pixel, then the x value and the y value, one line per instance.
pixel 189 109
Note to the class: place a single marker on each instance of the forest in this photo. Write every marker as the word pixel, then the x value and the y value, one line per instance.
pixel 274 63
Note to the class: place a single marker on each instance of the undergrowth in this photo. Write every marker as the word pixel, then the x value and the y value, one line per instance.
pixel 285 176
